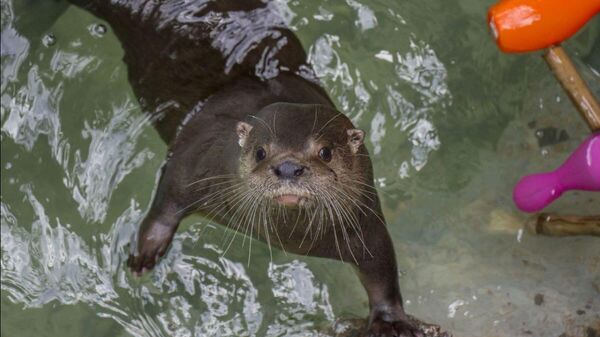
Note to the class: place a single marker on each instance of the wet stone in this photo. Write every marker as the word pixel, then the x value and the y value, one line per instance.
pixel 355 327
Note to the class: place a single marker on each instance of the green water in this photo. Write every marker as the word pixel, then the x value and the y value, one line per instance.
pixel 452 124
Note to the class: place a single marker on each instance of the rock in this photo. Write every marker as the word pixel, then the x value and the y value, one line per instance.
pixel 355 328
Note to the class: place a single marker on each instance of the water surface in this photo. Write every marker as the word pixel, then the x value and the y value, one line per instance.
pixel 452 124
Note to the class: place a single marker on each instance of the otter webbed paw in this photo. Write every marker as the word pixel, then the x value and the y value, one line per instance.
pixel 391 321
pixel 153 241
pixel 397 328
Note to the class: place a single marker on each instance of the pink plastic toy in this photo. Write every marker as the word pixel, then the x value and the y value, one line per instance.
pixel 580 172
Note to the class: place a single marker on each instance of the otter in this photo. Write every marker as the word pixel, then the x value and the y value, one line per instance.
pixel 255 143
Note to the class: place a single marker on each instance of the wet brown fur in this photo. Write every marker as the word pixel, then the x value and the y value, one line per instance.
pixel 197 99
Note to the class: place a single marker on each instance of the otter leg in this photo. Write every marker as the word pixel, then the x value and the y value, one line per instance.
pixel 155 236
pixel 379 275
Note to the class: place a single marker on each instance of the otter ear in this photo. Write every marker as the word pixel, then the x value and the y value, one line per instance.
pixel 356 138
pixel 243 131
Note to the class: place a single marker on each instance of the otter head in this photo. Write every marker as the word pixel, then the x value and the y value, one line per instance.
pixel 301 155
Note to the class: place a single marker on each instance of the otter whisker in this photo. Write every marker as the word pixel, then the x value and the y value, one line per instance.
pixel 274 122
pixel 321 227
pixel 222 193
pixel 249 214
pixel 315 120
pixel 278 237
pixel 308 228
pixel 265 124
pixel 358 189
pixel 238 206
pixel 207 196
pixel 367 187
pixel 361 204
pixel 296 223
pixel 325 125
pixel 338 209
pixel 216 209
pixel 256 205
pixel 200 188
pixel 204 198
pixel 354 224
pixel 238 196
pixel 346 215
pixel 320 210
pixel 249 200
pixel 250 245
pixel 313 237
pixel 220 176
pixel 268 237
pixel 332 218
pixel 337 245
pixel 350 181
pixel 270 224
pixel 351 216
pixel 250 197
pixel 356 202
pixel 252 231
pixel 352 198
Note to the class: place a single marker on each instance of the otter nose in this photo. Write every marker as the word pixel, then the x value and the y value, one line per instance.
pixel 288 170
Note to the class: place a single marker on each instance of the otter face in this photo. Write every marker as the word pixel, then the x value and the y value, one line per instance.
pixel 300 155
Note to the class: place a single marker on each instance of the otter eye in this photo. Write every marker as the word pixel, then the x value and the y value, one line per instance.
pixel 325 154
pixel 260 154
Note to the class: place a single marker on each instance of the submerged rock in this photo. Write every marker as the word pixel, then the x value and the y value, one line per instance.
pixel 356 327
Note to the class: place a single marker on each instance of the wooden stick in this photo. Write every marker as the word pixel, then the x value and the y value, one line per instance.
pixel 564 225
pixel 578 91
pixel 588 107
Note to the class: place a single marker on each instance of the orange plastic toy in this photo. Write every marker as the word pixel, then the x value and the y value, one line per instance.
pixel 527 25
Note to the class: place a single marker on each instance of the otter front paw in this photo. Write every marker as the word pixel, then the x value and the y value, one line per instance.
pixel 152 244
pixel 398 328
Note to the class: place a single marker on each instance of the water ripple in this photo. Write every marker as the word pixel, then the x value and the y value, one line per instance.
pixel 78 171
pixel 111 156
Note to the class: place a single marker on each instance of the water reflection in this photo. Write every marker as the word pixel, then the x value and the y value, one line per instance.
pixel 204 294
pixel 418 70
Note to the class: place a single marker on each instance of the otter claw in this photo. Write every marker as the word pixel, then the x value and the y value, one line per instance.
pixel 153 242
pixel 144 261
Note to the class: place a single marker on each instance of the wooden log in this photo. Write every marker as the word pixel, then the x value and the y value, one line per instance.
pixel 571 81
pixel 564 225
